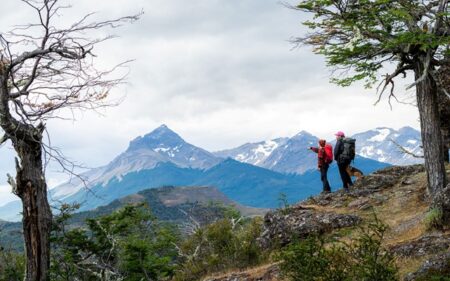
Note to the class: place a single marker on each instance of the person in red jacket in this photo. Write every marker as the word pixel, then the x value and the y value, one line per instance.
pixel 323 162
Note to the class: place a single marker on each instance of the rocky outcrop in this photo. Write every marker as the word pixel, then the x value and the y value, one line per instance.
pixel 270 273
pixel 387 178
pixel 283 226
pixel 368 187
pixel 423 246
pixel 438 265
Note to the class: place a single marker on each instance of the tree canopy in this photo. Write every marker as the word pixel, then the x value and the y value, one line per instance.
pixel 358 37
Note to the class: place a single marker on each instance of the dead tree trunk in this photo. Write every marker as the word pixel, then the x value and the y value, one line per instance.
pixel 30 186
pixel 427 102
pixel 37 217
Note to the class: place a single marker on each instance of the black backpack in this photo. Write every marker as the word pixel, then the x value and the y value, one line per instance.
pixel 348 154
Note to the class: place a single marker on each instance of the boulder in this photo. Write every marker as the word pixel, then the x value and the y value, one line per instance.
pixel 426 245
pixel 282 227
pixel 438 265
pixel 270 273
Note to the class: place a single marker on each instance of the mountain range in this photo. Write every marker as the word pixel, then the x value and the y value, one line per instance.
pixel 254 174
pixel 289 155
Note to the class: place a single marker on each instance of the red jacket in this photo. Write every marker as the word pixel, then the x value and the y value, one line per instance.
pixel 321 155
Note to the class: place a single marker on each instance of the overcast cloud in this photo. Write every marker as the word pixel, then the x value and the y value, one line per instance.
pixel 219 73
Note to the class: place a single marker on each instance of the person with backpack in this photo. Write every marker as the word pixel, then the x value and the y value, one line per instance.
pixel 344 153
pixel 325 157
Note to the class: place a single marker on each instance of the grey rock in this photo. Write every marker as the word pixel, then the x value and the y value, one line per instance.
pixel 437 265
pixel 358 203
pixel 270 273
pixel 408 181
pixel 387 178
pixel 281 229
pixel 426 245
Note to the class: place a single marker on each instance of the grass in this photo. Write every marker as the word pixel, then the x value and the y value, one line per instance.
pixel 433 219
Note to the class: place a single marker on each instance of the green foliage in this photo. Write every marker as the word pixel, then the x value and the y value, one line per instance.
pixel 311 260
pixel 12 265
pixel 434 219
pixel 358 37
pixel 225 244
pixel 128 244
pixel 315 259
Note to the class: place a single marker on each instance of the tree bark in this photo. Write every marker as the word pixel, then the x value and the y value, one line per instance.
pixel 443 76
pixel 37 217
pixel 31 187
pixel 427 102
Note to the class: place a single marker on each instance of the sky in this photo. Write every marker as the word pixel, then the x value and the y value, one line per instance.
pixel 219 73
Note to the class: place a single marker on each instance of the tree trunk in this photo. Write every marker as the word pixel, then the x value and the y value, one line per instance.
pixel 443 77
pixel 427 102
pixel 37 217
pixel 30 186
pixel 446 154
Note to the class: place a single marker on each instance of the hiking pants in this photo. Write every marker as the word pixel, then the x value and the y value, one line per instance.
pixel 324 178
pixel 345 177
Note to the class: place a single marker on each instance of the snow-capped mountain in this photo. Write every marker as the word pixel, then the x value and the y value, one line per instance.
pixel 160 146
pixel 382 144
pixel 284 155
pixel 290 155
pixel 253 153
pixel 294 156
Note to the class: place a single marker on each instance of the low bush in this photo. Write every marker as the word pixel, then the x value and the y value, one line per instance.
pixel 365 259
pixel 229 243
pixel 434 219
pixel 12 265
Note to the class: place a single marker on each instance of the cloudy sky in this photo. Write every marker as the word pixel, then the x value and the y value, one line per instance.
pixel 219 73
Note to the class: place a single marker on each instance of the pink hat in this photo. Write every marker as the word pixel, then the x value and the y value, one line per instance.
pixel 340 134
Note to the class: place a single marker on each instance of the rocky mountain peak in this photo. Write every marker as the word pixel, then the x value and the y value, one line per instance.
pixel 303 135
pixel 162 137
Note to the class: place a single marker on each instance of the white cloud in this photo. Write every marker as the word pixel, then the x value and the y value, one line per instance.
pixel 6 195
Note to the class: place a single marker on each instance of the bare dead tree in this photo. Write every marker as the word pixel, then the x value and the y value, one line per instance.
pixel 46 70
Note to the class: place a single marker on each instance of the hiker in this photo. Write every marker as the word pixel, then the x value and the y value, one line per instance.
pixel 325 157
pixel 344 154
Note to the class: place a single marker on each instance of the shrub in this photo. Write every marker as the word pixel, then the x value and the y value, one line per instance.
pixel 315 259
pixel 12 265
pixel 229 243
pixel 127 245
pixel 434 219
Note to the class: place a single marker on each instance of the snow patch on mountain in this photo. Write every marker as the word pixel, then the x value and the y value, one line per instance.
pixel 252 153
pixel 386 144
pixel 383 133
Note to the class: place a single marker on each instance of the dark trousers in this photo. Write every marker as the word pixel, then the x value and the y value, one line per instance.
pixel 346 179
pixel 324 178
